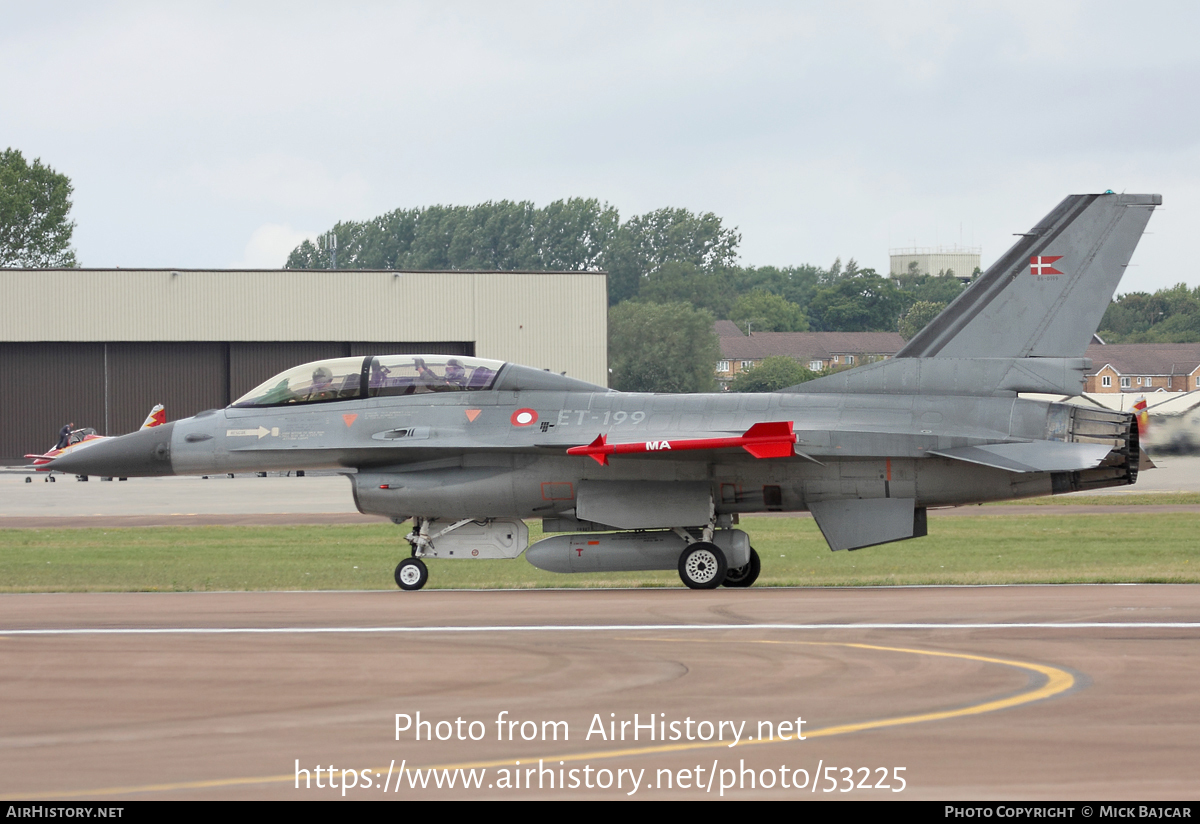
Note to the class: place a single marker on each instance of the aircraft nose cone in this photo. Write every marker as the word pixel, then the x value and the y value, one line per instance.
pixel 143 453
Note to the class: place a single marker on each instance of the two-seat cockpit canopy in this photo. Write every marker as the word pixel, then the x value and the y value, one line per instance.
pixel 373 376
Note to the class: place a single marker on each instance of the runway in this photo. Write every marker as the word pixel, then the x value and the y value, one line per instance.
pixel 1052 692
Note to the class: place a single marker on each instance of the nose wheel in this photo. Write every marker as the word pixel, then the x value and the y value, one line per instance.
pixel 411 574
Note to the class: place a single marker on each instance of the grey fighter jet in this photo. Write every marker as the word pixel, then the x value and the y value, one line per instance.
pixel 468 448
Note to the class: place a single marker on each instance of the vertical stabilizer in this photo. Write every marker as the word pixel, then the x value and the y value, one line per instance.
pixel 1046 295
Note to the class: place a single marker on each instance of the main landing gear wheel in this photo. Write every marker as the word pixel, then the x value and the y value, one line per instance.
pixel 744 576
pixel 411 574
pixel 702 566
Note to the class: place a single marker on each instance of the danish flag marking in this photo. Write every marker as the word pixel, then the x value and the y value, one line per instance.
pixel 1041 265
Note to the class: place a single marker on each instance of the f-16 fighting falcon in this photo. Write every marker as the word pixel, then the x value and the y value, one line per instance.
pixel 467 448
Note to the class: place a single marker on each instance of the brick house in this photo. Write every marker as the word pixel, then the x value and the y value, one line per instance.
pixel 813 350
pixel 1144 367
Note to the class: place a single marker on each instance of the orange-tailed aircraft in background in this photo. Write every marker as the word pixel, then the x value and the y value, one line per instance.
pixel 85 437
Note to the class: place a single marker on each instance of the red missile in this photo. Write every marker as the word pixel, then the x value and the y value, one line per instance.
pixel 771 439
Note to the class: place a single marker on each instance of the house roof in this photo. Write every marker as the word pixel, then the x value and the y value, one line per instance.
pixel 1124 358
pixel 1145 358
pixel 809 345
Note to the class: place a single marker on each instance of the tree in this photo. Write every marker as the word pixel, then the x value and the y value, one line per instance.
pixel 774 373
pixel 940 288
pixel 567 235
pixel 1170 315
pixel 572 235
pixel 833 274
pixel 795 284
pixel 34 202
pixel 917 317
pixel 864 303
pixel 766 312
pixel 644 244
pixel 657 347
pixel 685 282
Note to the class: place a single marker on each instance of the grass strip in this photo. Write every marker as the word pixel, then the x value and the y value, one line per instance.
pixel 990 548
pixel 1120 499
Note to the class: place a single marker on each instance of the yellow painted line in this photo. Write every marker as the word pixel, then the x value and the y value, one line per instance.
pixel 1057 681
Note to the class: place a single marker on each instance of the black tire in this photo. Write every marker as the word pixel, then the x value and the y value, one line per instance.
pixel 702 566
pixel 411 574
pixel 744 576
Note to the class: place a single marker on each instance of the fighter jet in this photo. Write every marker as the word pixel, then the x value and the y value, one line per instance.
pixel 470 448
pixel 87 436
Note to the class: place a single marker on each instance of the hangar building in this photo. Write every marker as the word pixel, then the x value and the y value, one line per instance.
pixel 99 347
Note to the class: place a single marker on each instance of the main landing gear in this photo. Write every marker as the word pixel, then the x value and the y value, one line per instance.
pixel 744 576
pixel 702 565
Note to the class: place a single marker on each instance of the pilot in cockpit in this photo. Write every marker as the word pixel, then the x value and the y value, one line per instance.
pixel 427 379
pixel 379 373
pixel 321 388
pixel 455 374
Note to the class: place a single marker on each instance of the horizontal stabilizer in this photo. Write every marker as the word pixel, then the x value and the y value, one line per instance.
pixel 1039 456
pixel 957 376
pixel 852 523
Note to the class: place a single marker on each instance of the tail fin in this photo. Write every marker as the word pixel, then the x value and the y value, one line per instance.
pixel 157 417
pixel 1046 295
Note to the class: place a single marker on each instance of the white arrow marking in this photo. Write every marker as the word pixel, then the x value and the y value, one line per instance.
pixel 261 432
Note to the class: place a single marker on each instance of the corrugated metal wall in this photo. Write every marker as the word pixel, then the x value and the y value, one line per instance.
pixel 42 387
pixel 445 348
pixel 185 377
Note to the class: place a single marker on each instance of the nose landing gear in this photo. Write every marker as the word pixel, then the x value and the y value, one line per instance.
pixel 411 574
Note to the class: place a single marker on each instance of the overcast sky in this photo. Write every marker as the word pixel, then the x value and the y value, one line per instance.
pixel 221 134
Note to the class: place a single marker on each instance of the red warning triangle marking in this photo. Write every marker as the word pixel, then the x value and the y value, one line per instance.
pixel 472 414
pixel 350 418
